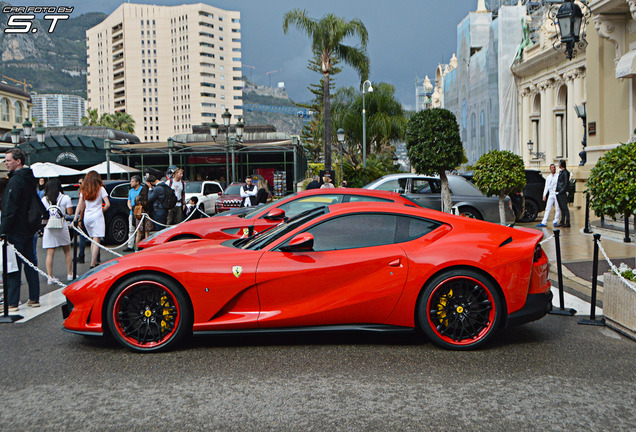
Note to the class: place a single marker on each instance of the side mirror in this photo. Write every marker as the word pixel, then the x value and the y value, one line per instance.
pixel 275 215
pixel 303 242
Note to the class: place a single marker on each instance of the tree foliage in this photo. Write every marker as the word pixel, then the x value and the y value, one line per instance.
pixel 612 182
pixel 500 173
pixel 120 120
pixel 434 146
pixel 327 36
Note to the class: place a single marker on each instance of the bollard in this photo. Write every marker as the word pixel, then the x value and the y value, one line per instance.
pixel 75 255
pixel 561 310
pixel 627 239
pixel 587 229
pixel 592 320
pixel 6 318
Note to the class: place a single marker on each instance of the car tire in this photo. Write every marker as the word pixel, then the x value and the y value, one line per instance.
pixel 470 212
pixel 148 313
pixel 117 230
pixel 459 310
pixel 531 211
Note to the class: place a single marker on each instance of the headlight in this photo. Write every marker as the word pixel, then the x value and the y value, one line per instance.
pixel 96 269
pixel 158 233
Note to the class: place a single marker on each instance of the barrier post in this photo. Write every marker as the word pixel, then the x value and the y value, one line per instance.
pixel 75 239
pixel 587 229
pixel 592 320
pixel 561 310
pixel 6 318
pixel 627 239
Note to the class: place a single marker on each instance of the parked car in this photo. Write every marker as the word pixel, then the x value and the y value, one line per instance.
pixel 528 203
pixel 427 192
pixel 230 199
pixel 207 193
pixel 263 217
pixel 364 266
pixel 116 217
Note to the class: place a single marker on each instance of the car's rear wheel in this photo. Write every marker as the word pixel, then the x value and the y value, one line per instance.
pixel 470 212
pixel 148 313
pixel 459 310
pixel 531 211
pixel 117 230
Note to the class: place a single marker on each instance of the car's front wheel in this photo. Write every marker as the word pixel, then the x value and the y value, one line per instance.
pixel 117 230
pixel 148 313
pixel 470 212
pixel 459 310
pixel 531 211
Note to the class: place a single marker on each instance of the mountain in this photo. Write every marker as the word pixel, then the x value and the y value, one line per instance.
pixel 49 62
pixel 269 96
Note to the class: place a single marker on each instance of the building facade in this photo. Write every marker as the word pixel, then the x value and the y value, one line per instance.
pixel 15 105
pixel 55 110
pixel 169 67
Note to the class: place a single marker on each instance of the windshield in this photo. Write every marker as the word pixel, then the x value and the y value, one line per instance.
pixel 259 241
pixel 193 187
pixel 233 190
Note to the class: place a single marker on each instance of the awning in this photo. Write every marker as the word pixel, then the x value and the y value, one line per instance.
pixel 49 169
pixel 115 168
pixel 626 66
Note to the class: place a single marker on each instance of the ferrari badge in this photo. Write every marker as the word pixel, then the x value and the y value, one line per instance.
pixel 237 270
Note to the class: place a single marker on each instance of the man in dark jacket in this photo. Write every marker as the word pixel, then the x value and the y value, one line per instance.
pixel 157 197
pixel 563 182
pixel 15 228
pixel 314 184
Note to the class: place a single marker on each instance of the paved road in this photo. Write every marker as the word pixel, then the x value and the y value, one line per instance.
pixel 549 375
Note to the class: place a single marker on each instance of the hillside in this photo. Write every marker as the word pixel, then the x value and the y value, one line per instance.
pixel 263 95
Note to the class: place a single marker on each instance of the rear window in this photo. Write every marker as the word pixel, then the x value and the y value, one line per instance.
pixel 233 190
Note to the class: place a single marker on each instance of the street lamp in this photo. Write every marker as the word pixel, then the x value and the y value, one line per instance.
pixel 226 122
pixel 107 147
pixel 15 136
pixel 569 19
pixel 240 126
pixel 28 128
pixel 537 155
pixel 364 124
pixel 170 148
pixel 341 137
pixel 39 133
pixel 581 112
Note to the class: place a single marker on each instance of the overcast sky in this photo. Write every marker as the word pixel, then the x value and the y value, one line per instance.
pixel 407 38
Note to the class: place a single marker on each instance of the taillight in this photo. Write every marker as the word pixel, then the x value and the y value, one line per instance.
pixel 538 252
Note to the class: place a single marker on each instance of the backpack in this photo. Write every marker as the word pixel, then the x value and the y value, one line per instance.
pixel 55 216
pixel 35 213
pixel 170 199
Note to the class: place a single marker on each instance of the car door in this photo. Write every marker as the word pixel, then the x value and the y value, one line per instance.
pixel 426 192
pixel 210 195
pixel 354 274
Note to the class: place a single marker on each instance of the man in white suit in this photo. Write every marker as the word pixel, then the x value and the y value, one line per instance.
pixel 549 194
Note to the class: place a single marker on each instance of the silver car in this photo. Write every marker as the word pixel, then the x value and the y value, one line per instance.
pixel 426 191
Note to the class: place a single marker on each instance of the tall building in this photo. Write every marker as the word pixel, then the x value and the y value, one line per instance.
pixel 169 67
pixel 55 110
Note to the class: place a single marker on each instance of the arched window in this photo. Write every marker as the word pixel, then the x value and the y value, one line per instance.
pixel 19 113
pixel 535 117
pixel 561 122
pixel 4 109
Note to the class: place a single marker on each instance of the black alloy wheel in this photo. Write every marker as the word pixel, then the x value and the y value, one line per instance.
pixel 117 230
pixel 531 211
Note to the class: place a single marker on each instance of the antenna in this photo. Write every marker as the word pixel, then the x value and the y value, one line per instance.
pixel 270 75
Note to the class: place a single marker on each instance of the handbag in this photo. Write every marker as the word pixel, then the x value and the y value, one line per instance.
pixel 56 217
pixel 138 210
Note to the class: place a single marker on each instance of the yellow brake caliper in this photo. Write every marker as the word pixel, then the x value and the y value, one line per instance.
pixel 441 314
pixel 166 311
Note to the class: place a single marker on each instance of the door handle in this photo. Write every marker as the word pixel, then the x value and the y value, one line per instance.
pixel 395 263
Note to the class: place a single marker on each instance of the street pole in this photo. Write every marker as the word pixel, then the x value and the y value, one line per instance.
pixel 107 148
pixel 364 124
pixel 232 146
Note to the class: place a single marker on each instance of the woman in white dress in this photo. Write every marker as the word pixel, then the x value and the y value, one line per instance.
pixel 57 237
pixel 92 194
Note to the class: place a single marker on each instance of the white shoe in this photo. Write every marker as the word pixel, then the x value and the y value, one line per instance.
pixel 49 281
pixel 69 277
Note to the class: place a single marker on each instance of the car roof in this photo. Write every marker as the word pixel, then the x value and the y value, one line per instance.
pixel 406 209
pixel 350 191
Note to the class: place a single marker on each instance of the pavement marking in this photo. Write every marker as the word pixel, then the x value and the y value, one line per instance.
pixel 570 301
pixel 47 302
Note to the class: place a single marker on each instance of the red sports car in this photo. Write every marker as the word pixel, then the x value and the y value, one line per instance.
pixel 366 266
pixel 262 217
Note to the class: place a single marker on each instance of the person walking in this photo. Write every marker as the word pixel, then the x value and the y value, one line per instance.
pixel 92 194
pixel 262 195
pixel 157 198
pixel 56 232
pixel 248 193
pixel 176 183
pixel 148 225
pixel 550 196
pixel 14 226
pixel 562 194
pixel 314 184
pixel 133 193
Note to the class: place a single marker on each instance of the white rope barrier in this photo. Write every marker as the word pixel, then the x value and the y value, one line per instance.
pixel 94 242
pixel 33 266
pixel 547 240
pixel 614 268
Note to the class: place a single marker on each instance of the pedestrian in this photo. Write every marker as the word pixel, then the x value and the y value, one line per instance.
pixel 223 183
pixel 343 184
pixel 92 194
pixel 314 184
pixel 157 198
pixel 176 183
pixel 248 193
pixel 14 226
pixel 81 255
pixel 563 182
pixel 327 182
pixel 191 207
pixel 56 232
pixel 12 263
pixel 41 185
pixel 262 195
pixel 550 196
pixel 147 224
pixel 133 193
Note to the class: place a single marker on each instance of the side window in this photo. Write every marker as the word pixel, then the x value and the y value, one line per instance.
pixel 421 186
pixel 410 228
pixel 120 191
pixel 210 188
pixel 354 231
pixel 396 185
pixel 362 198
pixel 300 205
pixel 436 185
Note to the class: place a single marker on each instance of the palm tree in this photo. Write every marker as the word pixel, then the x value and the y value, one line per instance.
pixel 123 121
pixel 91 118
pixel 327 35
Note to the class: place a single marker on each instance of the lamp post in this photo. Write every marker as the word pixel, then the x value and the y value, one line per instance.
pixel 226 122
pixel 107 147
pixel 240 126
pixel 364 124
pixel 341 138
pixel 569 18
pixel 15 136
pixel 537 155
pixel 170 148
pixel 28 128
pixel 581 112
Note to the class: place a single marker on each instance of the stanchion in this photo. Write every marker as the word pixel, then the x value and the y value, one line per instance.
pixel 587 229
pixel 562 310
pixel 592 320
pixel 6 318
pixel 627 239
